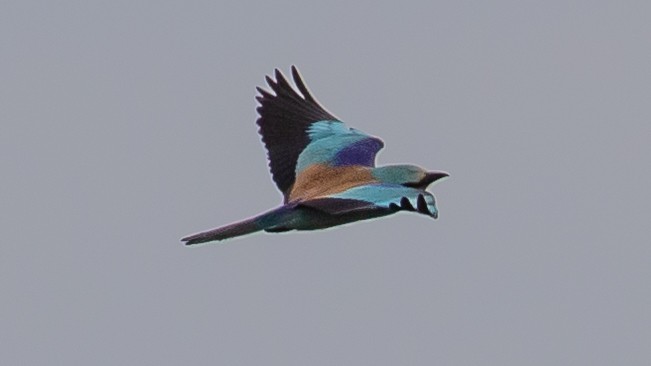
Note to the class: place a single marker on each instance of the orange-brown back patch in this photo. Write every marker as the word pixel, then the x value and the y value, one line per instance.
pixel 321 180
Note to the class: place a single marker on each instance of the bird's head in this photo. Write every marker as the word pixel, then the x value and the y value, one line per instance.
pixel 408 175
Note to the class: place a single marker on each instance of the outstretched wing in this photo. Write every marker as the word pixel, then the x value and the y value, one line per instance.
pixel 376 197
pixel 298 132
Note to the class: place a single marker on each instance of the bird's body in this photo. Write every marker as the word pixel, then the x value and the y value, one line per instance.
pixel 325 170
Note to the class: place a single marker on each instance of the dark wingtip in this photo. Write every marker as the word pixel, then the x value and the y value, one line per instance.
pixel 422 205
pixel 405 204
pixel 263 93
pixel 281 79
pixel 300 84
pixel 270 81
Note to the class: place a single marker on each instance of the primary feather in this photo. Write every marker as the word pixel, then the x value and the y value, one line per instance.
pixel 285 117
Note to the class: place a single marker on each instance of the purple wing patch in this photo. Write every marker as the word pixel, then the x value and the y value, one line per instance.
pixel 361 152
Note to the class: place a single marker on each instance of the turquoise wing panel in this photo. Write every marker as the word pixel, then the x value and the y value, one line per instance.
pixel 394 197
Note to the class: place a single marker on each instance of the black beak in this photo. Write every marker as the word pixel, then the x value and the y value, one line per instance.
pixel 431 177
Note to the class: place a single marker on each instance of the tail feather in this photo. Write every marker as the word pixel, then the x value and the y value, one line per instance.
pixel 229 231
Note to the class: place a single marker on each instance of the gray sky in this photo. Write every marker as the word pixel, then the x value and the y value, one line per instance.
pixel 126 125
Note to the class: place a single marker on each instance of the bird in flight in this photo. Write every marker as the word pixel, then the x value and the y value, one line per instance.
pixel 325 170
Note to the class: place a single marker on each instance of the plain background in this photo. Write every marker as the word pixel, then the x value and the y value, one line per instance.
pixel 128 124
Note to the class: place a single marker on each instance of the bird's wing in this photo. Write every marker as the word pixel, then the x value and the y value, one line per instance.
pixel 338 206
pixel 376 196
pixel 298 132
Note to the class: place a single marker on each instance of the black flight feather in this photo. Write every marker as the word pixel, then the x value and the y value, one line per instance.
pixel 284 119
pixel 338 206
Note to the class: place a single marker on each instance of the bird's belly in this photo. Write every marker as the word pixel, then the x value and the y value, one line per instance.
pixel 305 218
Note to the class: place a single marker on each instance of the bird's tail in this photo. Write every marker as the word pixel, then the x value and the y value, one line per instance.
pixel 229 231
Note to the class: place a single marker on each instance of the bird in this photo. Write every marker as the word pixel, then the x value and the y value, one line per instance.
pixel 325 170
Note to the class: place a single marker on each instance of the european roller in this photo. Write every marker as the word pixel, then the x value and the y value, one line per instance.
pixel 325 170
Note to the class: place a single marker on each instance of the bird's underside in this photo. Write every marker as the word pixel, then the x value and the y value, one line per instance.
pixel 325 170
pixel 319 213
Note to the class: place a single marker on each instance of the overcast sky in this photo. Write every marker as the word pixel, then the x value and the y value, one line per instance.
pixel 125 125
